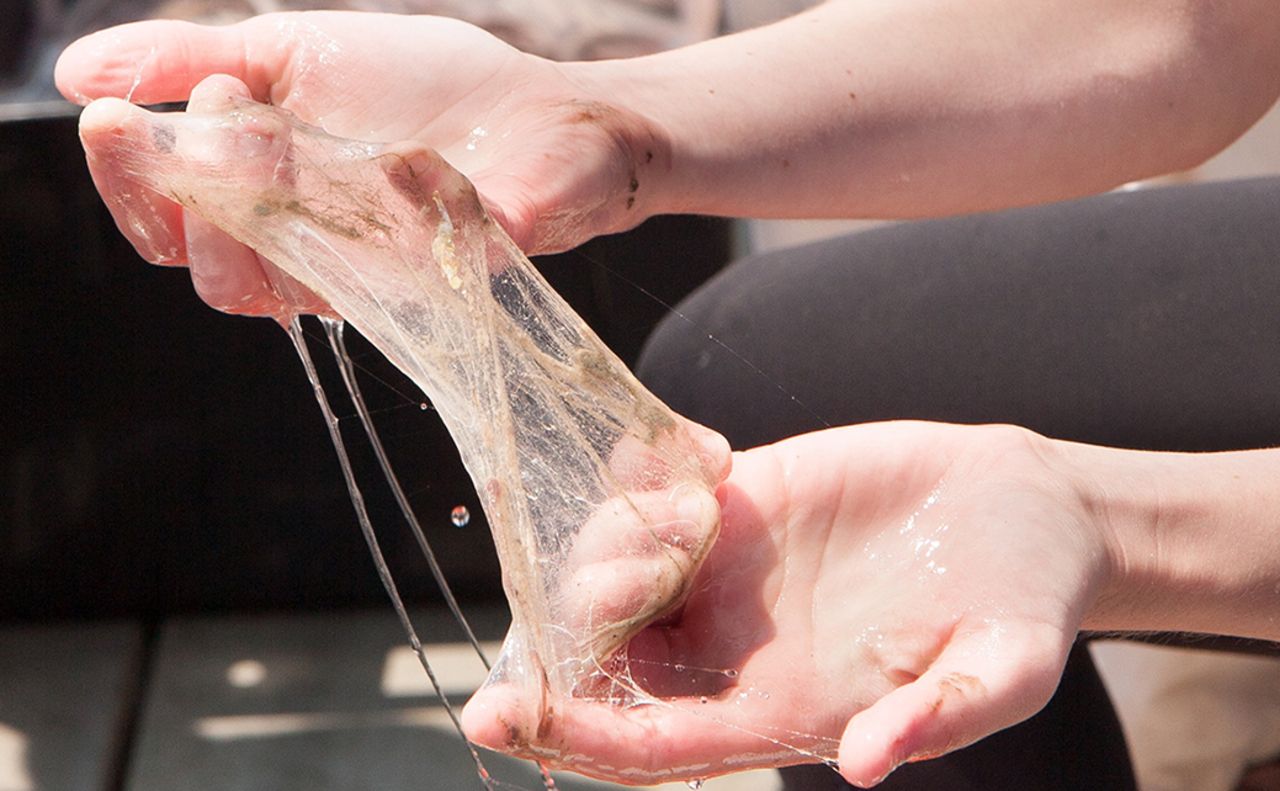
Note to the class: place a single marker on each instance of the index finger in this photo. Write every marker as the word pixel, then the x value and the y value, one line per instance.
pixel 162 60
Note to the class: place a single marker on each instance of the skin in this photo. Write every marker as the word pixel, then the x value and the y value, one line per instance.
pixel 915 108
pixel 824 590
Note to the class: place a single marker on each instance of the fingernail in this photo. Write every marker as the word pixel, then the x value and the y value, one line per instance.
pixel 691 507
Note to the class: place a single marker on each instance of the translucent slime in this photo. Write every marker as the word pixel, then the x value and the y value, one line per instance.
pixel 601 500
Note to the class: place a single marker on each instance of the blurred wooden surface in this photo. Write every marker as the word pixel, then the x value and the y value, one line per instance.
pixel 284 702
pixel 66 693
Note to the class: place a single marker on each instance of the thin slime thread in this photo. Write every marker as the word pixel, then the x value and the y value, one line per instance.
pixel 755 369
pixel 334 329
pixel 366 528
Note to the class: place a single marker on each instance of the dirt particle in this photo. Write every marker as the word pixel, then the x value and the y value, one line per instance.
pixel 493 488
pixel 957 687
pixel 631 201
pixel 588 112
pixel 926 755
pixel 634 185
pixel 648 157
pixel 546 723
pixel 514 739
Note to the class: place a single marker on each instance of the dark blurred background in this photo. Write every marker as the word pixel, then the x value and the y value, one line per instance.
pixel 160 457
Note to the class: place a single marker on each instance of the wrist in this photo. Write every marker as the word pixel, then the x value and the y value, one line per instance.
pixel 1189 539
pixel 643 107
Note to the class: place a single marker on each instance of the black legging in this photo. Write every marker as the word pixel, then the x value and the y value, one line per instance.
pixel 1146 319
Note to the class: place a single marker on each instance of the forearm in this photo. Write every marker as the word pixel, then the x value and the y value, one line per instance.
pixel 927 107
pixel 1195 539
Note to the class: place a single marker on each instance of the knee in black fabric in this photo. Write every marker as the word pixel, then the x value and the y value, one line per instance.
pixel 1147 320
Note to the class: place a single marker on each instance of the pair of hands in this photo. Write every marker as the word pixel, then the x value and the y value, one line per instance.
pixel 897 591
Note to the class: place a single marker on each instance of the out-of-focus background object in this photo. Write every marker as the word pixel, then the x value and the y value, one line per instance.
pixel 1196 720
pixel 37 30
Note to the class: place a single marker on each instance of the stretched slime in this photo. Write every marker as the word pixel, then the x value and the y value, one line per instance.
pixel 601 500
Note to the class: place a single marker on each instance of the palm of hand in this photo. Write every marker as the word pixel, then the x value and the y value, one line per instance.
pixel 520 129
pixel 920 579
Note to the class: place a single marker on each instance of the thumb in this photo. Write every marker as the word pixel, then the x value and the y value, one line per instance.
pixel 982 682
pixel 506 199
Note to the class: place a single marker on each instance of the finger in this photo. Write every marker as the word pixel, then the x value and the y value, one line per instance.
pixel 163 60
pixel 981 683
pixel 643 524
pixel 506 198
pixel 663 740
pixel 225 273
pixel 634 562
pixel 659 460
pixel 714 453
pixel 151 222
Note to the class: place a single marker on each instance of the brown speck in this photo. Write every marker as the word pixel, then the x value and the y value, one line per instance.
pixel 631 201
pixel 648 157
pixel 402 176
pixel 634 185
pixel 927 755
pixel 711 91
pixel 514 739
pixel 786 163
pixel 853 95
pixel 493 488
pixel 956 686
pixel 546 723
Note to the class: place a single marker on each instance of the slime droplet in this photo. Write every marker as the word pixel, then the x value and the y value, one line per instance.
pixel 731 673
pixel 460 516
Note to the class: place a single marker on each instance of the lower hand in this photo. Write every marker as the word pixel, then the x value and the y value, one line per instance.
pixel 879 594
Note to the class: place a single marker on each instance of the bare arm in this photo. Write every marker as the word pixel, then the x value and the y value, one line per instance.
pixel 924 107
pixel 1195 539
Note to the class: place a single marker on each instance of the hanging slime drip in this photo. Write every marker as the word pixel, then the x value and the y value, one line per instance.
pixel 599 497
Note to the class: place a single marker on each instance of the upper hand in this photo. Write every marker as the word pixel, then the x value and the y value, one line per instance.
pixel 554 163
pixel 879 594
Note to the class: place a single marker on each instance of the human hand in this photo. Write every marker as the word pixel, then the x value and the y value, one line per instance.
pixel 878 594
pixel 554 163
